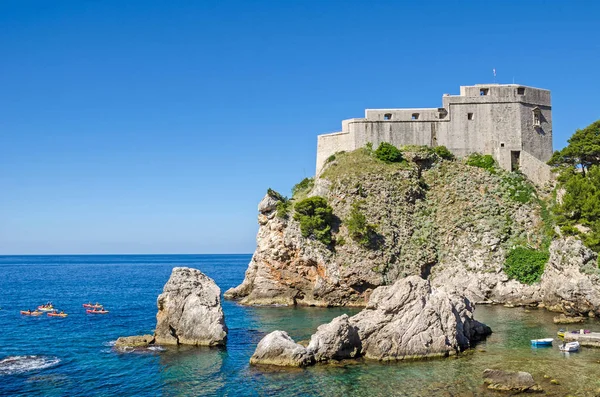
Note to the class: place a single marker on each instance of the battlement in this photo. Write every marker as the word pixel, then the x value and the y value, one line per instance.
pixel 498 119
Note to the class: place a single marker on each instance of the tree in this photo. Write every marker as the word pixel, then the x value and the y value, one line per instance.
pixel 582 151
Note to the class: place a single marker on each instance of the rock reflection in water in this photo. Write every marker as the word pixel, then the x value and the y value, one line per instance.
pixel 192 371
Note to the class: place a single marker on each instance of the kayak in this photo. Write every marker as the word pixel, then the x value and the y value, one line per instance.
pixel 28 313
pixel 46 308
pixel 57 314
pixel 542 342
pixel 96 311
pixel 89 305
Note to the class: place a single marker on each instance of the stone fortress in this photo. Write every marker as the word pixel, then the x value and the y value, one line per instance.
pixel 513 123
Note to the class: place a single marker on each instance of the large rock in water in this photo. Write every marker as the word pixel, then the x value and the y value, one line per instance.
pixel 412 320
pixel 278 348
pixel 565 286
pixel 407 320
pixel 189 311
pixel 134 341
pixel 337 340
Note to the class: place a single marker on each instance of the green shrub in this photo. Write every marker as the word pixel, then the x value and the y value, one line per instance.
pixel 283 209
pixel 525 265
pixel 484 161
pixel 518 187
pixel 302 186
pixel 330 159
pixel 388 153
pixel 369 146
pixel 358 228
pixel 315 217
pixel 569 230
pixel 443 152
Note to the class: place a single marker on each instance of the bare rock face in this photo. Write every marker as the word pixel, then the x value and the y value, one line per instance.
pixel 134 341
pixel 337 340
pixel 412 320
pixel 510 381
pixel 564 285
pixel 286 269
pixel 277 348
pixel 189 311
pixel 408 320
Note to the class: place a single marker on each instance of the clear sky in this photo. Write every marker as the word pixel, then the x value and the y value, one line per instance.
pixel 157 126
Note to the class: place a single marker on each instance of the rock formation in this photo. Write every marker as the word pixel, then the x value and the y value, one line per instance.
pixel 277 348
pixel 445 221
pixel 134 341
pixel 189 311
pixel 408 320
pixel 565 286
pixel 412 320
pixel 510 381
pixel 337 340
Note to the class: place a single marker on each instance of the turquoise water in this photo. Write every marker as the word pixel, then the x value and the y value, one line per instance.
pixel 73 356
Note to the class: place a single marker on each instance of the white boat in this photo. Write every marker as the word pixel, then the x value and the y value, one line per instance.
pixel 542 342
pixel 570 347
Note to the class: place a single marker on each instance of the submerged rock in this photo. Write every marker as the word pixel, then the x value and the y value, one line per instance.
pixel 562 319
pixel 189 310
pixel 412 320
pixel 134 341
pixel 510 381
pixel 337 340
pixel 278 348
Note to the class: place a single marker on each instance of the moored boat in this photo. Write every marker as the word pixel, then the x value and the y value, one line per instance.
pixel 541 342
pixel 95 311
pixel 31 313
pixel 570 347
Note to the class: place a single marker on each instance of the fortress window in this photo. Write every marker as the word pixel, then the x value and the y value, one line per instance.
pixel 469 116
pixel 484 91
pixel 521 91
pixel 501 144
pixel 387 116
pixel 537 117
pixel 415 116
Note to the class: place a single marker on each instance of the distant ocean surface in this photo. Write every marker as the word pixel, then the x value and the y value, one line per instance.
pixel 73 356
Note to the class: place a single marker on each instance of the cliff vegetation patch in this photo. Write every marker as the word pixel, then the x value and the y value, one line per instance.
pixel 526 265
pixel 362 232
pixel 388 153
pixel 315 217
pixel 484 161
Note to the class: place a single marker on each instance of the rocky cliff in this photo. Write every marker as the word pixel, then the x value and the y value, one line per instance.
pixel 445 221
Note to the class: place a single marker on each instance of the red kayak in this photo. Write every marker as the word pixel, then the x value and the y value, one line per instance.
pixel 89 305
pixel 30 313
pixel 96 311
pixel 57 314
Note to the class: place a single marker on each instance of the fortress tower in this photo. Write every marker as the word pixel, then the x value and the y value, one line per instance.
pixel 511 122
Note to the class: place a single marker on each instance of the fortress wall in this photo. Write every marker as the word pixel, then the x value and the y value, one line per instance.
pixel 329 144
pixel 415 132
pixel 536 141
pixel 490 126
pixel 423 114
pixel 537 171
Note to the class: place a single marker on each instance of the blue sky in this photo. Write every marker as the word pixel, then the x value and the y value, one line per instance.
pixel 156 126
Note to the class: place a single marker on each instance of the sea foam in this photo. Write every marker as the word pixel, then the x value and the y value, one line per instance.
pixel 20 364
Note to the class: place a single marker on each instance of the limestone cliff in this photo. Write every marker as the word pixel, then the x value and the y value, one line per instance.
pixel 442 220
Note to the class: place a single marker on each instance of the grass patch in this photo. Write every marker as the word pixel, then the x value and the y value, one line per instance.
pixel 484 161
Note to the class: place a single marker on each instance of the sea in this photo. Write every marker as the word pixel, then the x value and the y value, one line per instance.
pixel 74 356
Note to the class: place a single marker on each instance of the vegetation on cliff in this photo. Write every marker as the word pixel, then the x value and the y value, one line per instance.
pixel 315 217
pixel 577 210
